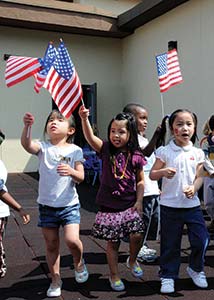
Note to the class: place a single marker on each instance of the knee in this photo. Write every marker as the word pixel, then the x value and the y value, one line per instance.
pixel 73 243
pixel 52 245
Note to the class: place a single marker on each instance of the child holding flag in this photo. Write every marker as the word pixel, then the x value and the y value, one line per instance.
pixel 151 208
pixel 60 168
pixel 120 193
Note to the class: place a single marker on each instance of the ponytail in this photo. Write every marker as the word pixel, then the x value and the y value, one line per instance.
pixel 162 136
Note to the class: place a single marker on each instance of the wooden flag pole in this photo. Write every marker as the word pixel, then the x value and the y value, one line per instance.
pixel 28 131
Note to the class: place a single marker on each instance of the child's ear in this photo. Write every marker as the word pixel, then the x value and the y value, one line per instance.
pixel 71 131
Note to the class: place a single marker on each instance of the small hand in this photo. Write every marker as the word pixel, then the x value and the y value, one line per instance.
pixel 64 169
pixel 189 191
pixel 170 172
pixel 138 207
pixel 25 216
pixel 28 119
pixel 83 112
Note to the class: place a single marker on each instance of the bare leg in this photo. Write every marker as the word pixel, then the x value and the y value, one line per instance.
pixel 72 239
pixel 134 247
pixel 112 257
pixel 51 236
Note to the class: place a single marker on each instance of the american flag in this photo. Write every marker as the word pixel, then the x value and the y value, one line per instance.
pixel 47 62
pixel 63 82
pixel 168 69
pixel 19 68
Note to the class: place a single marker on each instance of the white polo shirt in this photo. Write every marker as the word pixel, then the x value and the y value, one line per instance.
pixel 185 160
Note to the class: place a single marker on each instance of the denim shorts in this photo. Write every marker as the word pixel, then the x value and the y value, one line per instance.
pixel 57 216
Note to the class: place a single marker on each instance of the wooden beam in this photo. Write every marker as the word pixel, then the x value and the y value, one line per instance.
pixel 54 19
pixel 144 12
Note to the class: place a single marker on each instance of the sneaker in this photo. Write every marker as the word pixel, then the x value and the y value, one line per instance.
pixel 199 278
pixel 167 286
pixel 54 290
pixel 147 254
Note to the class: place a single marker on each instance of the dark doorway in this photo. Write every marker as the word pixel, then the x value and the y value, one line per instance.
pixel 90 101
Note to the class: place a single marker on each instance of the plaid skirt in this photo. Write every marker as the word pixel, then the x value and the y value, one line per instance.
pixel 115 226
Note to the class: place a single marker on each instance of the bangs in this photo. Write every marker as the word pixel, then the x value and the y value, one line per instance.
pixel 56 114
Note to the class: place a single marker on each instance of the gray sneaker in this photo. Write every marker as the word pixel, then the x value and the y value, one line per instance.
pixel 199 278
pixel 147 254
pixel 167 286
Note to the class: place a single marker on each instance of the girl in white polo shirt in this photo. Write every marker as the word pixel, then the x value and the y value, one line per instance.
pixel 178 164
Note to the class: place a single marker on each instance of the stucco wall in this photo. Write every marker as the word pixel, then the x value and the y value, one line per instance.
pixel 96 60
pixel 115 6
pixel 191 26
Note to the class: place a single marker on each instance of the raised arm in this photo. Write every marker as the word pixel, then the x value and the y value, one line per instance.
pixel 95 142
pixel 149 149
pixel 26 139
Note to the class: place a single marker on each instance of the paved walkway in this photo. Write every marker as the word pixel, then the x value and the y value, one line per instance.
pixel 27 275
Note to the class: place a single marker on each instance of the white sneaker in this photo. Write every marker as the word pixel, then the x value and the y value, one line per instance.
pixel 167 285
pixel 199 278
pixel 147 254
pixel 54 290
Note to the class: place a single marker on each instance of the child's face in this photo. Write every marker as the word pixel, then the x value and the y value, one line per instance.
pixel 183 128
pixel 141 117
pixel 58 126
pixel 119 135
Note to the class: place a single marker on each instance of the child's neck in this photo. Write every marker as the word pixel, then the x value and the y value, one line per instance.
pixel 179 144
pixel 59 142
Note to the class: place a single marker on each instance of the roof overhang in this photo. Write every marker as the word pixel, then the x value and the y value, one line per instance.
pixel 146 11
pixel 60 16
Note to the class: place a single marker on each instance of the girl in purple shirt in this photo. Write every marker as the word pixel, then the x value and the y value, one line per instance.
pixel 120 192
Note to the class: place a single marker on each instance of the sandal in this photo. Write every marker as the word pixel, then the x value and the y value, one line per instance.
pixel 136 269
pixel 82 276
pixel 117 285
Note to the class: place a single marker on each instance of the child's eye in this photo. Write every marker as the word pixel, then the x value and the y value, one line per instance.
pixel 122 132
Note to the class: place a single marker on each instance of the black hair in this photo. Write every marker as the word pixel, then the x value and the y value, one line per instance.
pixel 132 108
pixel 171 119
pixel 59 115
pixel 211 122
pixel 131 126
pixel 2 137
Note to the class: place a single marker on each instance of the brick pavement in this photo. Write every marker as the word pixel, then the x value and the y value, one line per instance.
pixel 27 275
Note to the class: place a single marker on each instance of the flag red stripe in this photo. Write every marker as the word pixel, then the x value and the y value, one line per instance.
pixel 173 75
pixel 20 68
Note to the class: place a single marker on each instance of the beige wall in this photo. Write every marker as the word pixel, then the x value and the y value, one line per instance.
pixel 115 6
pixel 96 60
pixel 191 25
